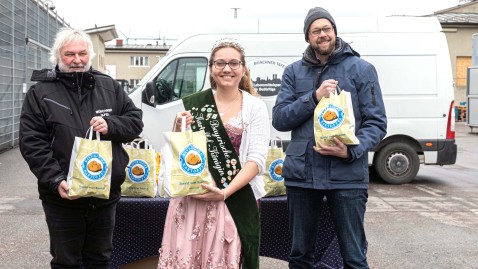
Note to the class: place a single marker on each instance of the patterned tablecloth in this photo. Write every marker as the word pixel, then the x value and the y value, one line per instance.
pixel 140 222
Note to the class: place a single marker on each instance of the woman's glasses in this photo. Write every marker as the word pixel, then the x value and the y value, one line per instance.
pixel 221 64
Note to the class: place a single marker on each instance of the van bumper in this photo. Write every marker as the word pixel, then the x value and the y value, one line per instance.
pixel 446 150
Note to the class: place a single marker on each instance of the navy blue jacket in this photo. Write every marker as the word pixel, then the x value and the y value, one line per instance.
pixel 294 111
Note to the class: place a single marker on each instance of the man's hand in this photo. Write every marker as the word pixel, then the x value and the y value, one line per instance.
pixel 63 191
pixel 326 88
pixel 99 124
pixel 339 149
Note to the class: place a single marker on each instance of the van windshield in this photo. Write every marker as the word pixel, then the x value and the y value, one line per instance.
pixel 180 78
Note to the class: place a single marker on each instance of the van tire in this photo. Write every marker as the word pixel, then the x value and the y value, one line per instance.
pixel 397 163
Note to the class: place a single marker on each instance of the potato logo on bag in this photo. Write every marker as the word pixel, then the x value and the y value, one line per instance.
pixel 192 160
pixel 138 171
pixel 278 170
pixel 275 170
pixel 94 167
pixel 331 117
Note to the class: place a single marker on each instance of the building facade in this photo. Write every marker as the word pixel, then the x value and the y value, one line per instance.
pixel 459 23
pixel 99 36
pixel 130 63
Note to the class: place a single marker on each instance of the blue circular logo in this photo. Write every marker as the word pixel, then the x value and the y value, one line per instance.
pixel 275 170
pixel 94 167
pixel 331 117
pixel 192 160
pixel 138 171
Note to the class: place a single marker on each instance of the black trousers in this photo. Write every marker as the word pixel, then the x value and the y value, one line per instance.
pixel 80 237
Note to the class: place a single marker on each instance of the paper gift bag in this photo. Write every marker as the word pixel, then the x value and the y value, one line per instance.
pixel 159 181
pixel 334 117
pixel 90 167
pixel 140 178
pixel 273 180
pixel 184 166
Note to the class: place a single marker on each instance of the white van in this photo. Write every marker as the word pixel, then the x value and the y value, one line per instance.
pixel 410 54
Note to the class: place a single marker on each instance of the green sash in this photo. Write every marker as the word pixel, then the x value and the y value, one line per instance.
pixel 224 164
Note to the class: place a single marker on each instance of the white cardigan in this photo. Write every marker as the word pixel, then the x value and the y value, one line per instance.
pixel 255 138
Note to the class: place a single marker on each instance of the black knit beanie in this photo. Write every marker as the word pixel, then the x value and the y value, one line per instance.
pixel 315 14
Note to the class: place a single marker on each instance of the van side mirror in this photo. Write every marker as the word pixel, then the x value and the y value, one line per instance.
pixel 148 95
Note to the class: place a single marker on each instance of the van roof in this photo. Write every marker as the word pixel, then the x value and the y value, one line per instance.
pixel 345 25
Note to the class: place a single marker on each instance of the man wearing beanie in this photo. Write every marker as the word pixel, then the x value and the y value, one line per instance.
pixel 337 173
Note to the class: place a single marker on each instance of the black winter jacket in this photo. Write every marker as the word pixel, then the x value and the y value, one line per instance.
pixel 60 107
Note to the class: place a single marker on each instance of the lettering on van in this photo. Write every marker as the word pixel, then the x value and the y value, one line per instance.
pixel 266 75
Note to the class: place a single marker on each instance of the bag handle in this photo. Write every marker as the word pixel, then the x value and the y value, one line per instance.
pixel 136 143
pixel 89 134
pixel 274 142
pixel 183 124
pixel 338 90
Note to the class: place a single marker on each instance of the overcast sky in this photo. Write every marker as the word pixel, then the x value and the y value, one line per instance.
pixel 167 19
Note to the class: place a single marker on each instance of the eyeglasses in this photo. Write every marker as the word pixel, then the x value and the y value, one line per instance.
pixel 316 32
pixel 233 64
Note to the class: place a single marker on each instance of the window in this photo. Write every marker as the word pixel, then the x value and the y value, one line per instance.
pixel 139 61
pixel 462 64
pixel 178 79
pixel 133 82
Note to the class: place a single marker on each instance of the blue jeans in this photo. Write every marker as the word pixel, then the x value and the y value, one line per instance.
pixel 80 237
pixel 347 209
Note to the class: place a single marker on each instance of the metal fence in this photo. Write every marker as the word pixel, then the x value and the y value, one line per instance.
pixel 27 30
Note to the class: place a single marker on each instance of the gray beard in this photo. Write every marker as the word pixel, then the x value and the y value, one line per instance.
pixel 66 69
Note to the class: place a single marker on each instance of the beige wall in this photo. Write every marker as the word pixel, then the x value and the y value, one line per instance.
pixel 460 45
pixel 98 62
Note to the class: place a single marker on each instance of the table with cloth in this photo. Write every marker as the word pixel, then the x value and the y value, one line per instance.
pixel 140 222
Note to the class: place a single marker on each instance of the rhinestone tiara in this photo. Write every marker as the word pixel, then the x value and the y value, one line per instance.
pixel 227 42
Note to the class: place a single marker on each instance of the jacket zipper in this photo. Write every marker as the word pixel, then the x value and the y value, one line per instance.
pixel 372 91
pixel 58 104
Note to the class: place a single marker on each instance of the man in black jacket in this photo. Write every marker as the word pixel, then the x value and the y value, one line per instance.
pixel 63 104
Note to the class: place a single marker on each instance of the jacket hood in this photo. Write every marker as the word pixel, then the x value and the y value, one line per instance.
pixel 73 80
pixel 44 75
pixel 342 50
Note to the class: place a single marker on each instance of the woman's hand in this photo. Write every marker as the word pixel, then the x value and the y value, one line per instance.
pixel 214 194
pixel 178 120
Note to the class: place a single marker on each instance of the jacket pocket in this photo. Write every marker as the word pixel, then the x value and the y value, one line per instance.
pixel 294 163
pixel 343 171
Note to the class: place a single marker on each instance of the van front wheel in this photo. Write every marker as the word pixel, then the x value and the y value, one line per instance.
pixel 397 163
